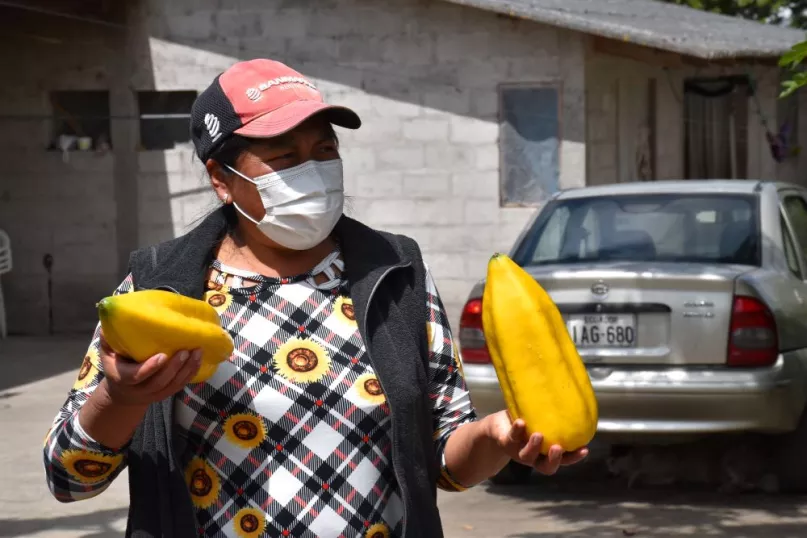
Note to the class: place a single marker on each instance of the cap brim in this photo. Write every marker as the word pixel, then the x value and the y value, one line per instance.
pixel 286 118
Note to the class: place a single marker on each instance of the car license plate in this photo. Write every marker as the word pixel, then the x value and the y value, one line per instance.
pixel 602 330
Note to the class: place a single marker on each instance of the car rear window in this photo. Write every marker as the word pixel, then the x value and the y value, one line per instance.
pixel 658 227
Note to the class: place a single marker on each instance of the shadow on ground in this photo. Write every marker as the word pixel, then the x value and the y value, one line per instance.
pixel 98 525
pixel 29 359
pixel 600 508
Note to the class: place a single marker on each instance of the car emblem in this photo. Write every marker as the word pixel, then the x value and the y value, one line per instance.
pixel 599 289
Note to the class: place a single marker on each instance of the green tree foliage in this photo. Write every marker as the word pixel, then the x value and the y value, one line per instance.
pixel 793 60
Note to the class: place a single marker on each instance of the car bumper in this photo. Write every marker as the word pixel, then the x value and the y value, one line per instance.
pixel 678 401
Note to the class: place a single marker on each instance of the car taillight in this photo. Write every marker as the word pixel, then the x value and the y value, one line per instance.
pixel 752 334
pixel 472 339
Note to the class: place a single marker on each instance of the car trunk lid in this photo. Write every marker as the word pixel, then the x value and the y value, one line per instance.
pixel 645 313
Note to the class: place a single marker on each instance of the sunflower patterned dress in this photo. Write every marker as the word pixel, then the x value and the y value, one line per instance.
pixel 291 436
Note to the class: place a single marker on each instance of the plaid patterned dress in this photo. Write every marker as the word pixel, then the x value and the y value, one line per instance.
pixel 291 436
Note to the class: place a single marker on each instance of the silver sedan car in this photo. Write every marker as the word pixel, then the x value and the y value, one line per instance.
pixel 687 302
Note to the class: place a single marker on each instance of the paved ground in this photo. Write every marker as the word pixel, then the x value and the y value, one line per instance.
pixel 37 373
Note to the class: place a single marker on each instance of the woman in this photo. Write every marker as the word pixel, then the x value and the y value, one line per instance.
pixel 343 405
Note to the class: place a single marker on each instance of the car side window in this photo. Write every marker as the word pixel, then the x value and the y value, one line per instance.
pixel 796 210
pixel 790 249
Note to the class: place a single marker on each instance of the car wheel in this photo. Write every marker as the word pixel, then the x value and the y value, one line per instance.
pixel 513 474
pixel 791 471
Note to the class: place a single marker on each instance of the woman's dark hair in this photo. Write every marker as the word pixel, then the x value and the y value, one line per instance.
pixel 230 150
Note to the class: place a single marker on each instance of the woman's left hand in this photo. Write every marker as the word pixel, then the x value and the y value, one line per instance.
pixel 512 438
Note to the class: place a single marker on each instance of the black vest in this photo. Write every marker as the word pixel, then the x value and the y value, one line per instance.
pixel 387 285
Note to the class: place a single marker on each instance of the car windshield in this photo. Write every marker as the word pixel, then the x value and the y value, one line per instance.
pixel 658 227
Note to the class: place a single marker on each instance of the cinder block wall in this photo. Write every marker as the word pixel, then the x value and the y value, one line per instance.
pixel 47 205
pixel 423 75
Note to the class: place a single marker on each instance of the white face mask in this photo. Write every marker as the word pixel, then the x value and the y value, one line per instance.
pixel 303 204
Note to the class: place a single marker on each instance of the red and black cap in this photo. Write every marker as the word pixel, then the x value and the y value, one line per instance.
pixel 258 99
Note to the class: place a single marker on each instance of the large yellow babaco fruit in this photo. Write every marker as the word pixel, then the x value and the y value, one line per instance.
pixel 542 377
pixel 141 324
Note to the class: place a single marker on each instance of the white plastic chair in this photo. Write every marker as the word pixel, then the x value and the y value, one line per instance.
pixel 5 267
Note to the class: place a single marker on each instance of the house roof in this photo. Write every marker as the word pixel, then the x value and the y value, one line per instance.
pixel 653 23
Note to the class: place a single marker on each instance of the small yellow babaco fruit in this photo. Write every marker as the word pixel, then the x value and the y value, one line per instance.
pixel 141 324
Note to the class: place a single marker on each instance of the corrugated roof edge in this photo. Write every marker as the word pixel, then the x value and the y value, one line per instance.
pixel 594 26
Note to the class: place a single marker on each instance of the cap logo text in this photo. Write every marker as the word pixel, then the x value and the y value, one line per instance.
pixel 254 93
pixel 213 126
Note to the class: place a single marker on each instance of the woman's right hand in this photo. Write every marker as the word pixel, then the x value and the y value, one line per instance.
pixel 159 377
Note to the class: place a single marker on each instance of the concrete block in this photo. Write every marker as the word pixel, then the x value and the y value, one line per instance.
pixel 483 73
pixel 446 100
pixel 476 185
pixel 446 264
pixel 450 157
pixel 481 211
pixel 487 157
pixel 517 216
pixel 473 131
pixel 186 182
pixel 388 19
pixel 384 212
pixel 162 161
pixel 405 157
pixel 375 130
pixel 437 212
pixel 573 172
pixel 196 25
pixel 539 67
pixel 26 301
pixel 426 183
pixel 83 235
pixel 478 237
pixel 444 238
pixel 382 184
pixel 476 264
pixel 81 187
pixel 238 23
pixel 458 47
pixel 440 17
pixel 410 50
pixel 303 48
pixel 355 99
pixel 386 105
pixel 152 187
pixel 71 260
pixel 159 211
pixel 485 104
pixel 74 300
pixel 334 23
pixel 358 159
pixel 454 291
pixel 426 130
pixel 361 50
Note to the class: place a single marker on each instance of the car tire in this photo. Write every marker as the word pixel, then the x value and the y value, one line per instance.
pixel 791 471
pixel 513 474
